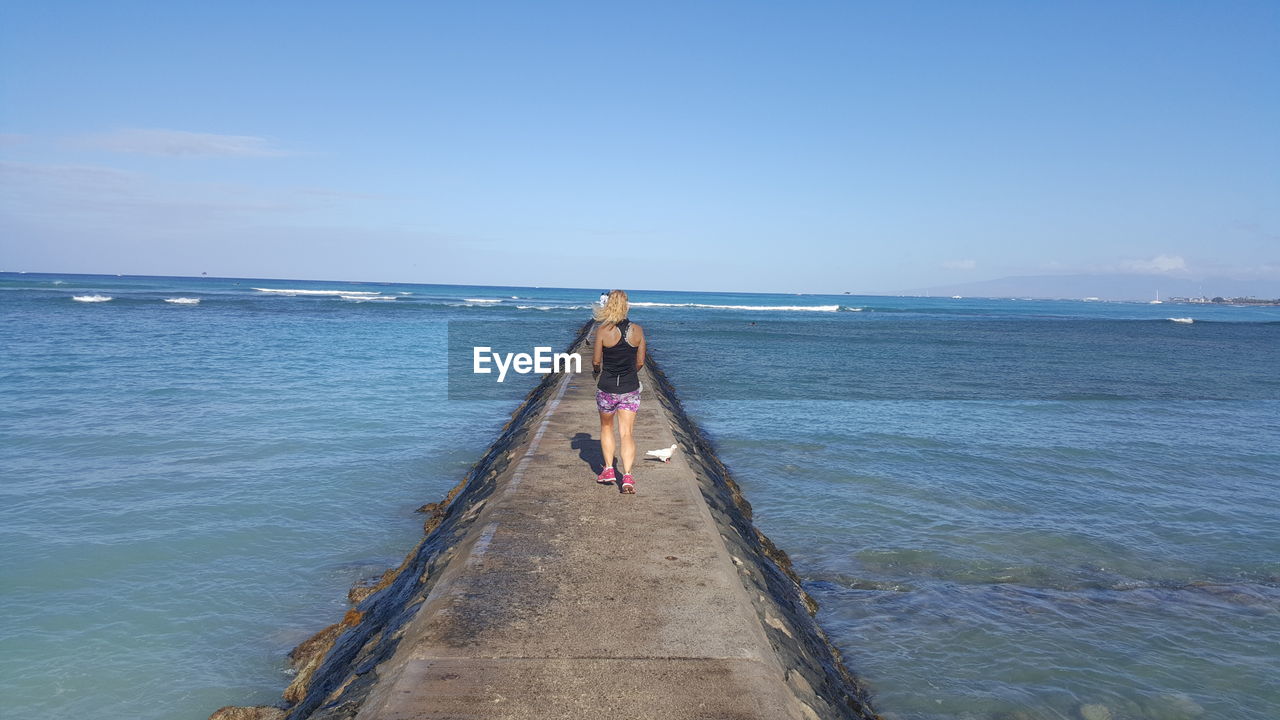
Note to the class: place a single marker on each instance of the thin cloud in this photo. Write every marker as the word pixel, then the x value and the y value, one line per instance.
pixel 87 196
pixel 180 143
pixel 960 264
pixel 328 194
pixel 1175 267
pixel 1257 231
pixel 1158 265
pixel 1263 270
pixel 66 178
pixel 1162 264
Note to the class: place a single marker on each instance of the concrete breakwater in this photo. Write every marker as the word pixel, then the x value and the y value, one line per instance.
pixel 537 593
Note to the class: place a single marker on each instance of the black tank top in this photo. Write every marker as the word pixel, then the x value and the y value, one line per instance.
pixel 618 364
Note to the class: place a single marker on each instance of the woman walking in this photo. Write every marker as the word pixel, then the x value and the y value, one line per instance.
pixel 617 356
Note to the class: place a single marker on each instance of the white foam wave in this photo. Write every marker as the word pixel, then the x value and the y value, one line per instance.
pixel 367 298
pixel 91 298
pixel 183 301
pixel 553 307
pixel 1187 321
pixel 781 308
pixel 289 291
pixel 480 300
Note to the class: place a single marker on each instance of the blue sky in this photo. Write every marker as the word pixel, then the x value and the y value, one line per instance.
pixel 805 146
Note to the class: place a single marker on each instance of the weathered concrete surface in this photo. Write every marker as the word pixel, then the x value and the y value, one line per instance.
pixel 541 594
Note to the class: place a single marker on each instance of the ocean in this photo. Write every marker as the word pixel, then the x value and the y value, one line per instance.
pixel 1005 508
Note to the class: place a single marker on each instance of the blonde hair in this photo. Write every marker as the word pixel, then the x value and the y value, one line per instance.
pixel 614 310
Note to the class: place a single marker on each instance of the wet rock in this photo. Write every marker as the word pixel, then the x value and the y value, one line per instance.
pixel 1018 715
pixel 368 586
pixel 778 625
pixel 1172 706
pixel 1126 709
pixel 308 656
pixel 435 514
pixel 361 590
pixel 337 693
pixel 799 684
pixel 255 712
pixel 1094 711
pixel 317 644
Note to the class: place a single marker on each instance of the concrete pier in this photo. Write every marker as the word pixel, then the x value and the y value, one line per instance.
pixel 542 594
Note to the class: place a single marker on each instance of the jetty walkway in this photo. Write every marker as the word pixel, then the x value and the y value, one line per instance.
pixel 541 594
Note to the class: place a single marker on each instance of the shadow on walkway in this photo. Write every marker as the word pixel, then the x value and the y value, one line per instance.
pixel 589 450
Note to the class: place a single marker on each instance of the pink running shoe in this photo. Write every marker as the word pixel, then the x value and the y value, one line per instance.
pixel 606 477
pixel 628 484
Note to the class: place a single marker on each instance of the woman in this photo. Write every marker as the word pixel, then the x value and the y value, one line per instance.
pixel 617 356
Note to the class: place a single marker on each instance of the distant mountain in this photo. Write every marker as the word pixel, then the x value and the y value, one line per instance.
pixel 1105 287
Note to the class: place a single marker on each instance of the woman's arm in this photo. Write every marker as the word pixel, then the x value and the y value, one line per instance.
pixel 597 351
pixel 640 347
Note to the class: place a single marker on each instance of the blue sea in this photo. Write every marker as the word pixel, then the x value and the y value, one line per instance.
pixel 1006 508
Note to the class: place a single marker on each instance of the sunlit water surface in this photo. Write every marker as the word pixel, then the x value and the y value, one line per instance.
pixel 1007 509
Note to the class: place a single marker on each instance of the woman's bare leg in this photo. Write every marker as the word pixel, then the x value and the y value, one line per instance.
pixel 606 438
pixel 627 421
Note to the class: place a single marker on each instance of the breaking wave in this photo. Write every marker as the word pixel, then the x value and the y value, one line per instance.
pixel 776 308
pixel 553 307
pixel 339 293
pixel 91 298
pixel 183 301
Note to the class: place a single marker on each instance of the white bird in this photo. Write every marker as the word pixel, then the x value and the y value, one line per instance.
pixel 664 454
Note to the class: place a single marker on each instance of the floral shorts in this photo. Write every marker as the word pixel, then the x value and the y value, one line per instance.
pixel 609 402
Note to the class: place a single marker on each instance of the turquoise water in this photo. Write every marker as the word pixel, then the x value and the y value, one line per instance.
pixel 1003 506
